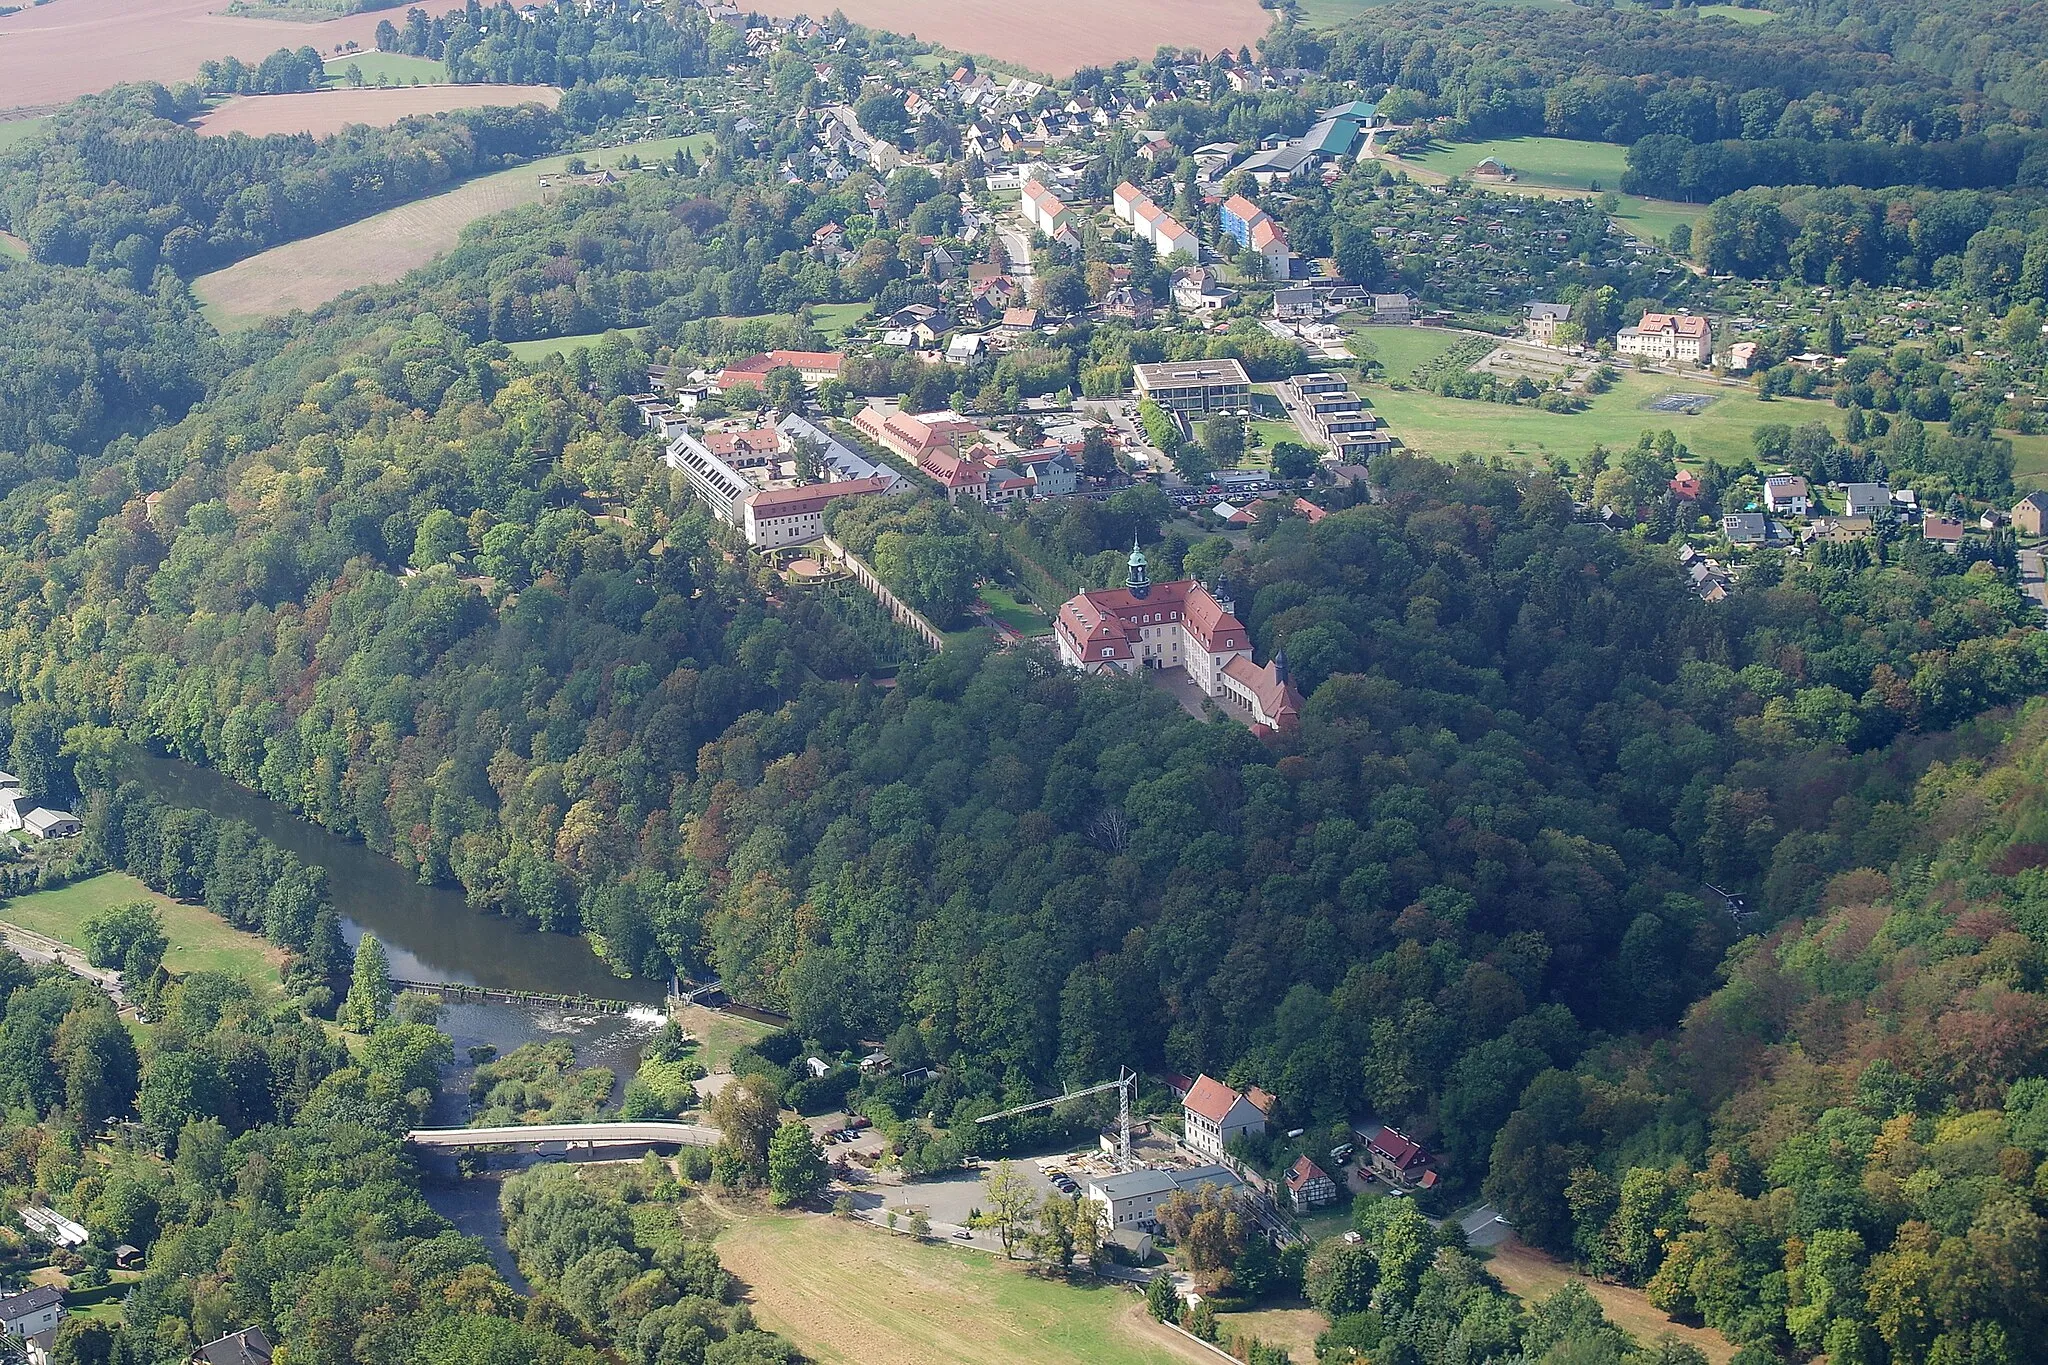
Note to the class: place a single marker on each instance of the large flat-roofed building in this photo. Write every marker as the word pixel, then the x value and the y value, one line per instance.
pixel 750 489
pixel 1132 1200
pixel 1198 386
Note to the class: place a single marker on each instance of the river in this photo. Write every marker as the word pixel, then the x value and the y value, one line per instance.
pixel 431 934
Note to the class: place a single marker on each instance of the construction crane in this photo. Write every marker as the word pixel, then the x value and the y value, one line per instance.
pixel 1125 1085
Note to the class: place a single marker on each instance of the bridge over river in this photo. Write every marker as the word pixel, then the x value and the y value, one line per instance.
pixel 565 1135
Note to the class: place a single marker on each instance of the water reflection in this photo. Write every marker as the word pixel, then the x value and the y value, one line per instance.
pixel 429 932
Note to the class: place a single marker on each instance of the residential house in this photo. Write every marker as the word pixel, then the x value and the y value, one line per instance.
pixel 1298 303
pixel 246 1347
pixel 1017 321
pixel 1866 499
pixel 1213 1114
pixel 1309 1186
pixel 1787 495
pixel 1043 209
pixel 1309 511
pixel 1395 1156
pixel 2030 515
pixel 1196 289
pixel 1544 320
pixel 32 1311
pixel 1746 528
pixel 1669 338
pixel 830 239
pixel 1947 532
pixel 44 823
pixel 1687 485
pixel 1840 530
pixel 1742 356
pixel 1195 386
pixel 1255 230
pixel 1393 310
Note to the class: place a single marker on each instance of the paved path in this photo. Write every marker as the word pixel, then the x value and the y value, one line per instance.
pixel 1484 1227
pixel 40 949
pixel 585 1134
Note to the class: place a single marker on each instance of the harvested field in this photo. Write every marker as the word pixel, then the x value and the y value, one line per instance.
pixel 321 112
pixel 53 53
pixel 1061 36
pixel 383 247
pixel 851 1294
pixel 1530 1275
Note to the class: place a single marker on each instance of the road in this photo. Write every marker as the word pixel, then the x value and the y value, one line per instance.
pixel 588 1134
pixel 40 949
pixel 2033 578
pixel 1484 1227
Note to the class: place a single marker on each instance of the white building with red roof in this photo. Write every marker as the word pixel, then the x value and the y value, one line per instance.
pixel 1213 1114
pixel 775 517
pixel 815 366
pixel 1176 625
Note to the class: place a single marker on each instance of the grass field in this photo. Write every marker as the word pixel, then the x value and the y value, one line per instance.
pixel 393 67
pixel 385 246
pixel 533 351
pixel 1401 349
pixel 200 940
pixel 1018 616
pixel 1531 1275
pixel 718 1035
pixel 1734 13
pixel 15 131
pixel 13 246
pixel 1446 427
pixel 1564 163
pixel 1296 1329
pixel 849 1294
pixel 322 113
pixel 1653 219
pixel 835 320
pixel 2029 461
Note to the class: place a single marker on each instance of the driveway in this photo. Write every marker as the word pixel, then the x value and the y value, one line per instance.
pixel 1484 1227
pixel 2033 580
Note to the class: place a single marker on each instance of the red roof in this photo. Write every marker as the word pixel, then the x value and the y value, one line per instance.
pixel 791 502
pixel 1302 1172
pixel 1310 510
pixel 1211 1098
pixel 1397 1149
pixel 1244 208
pixel 1936 527
pixel 1277 698
pixel 1685 326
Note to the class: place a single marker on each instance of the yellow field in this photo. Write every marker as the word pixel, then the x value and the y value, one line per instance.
pixel 385 246
pixel 852 1294
pixel 1531 1275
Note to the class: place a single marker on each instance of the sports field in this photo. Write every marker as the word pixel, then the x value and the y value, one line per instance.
pixel 1446 427
pixel 200 940
pixel 385 246
pixel 1561 162
pixel 321 112
pixel 851 1294
pixel 57 52
pixel 1056 36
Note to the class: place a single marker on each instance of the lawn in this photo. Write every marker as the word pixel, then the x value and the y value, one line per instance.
pixel 1734 13
pixel 1401 349
pixel 12 246
pixel 835 320
pixel 1295 1329
pixel 395 68
pixel 2029 461
pixel 1269 432
pixel 534 351
pixel 1653 219
pixel 850 1294
pixel 1530 1275
pixel 1019 616
pixel 200 940
pixel 15 131
pixel 1563 163
pixel 719 1035
pixel 1446 427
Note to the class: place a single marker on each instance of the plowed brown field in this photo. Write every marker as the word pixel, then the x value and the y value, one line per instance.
pixel 321 112
pixel 1055 36
pixel 59 51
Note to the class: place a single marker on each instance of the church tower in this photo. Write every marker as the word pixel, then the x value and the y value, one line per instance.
pixel 1139 584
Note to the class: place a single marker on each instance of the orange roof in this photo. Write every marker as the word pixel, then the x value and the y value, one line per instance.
pixel 790 502
pixel 1211 1098
pixel 1685 326
pixel 1266 231
pixel 1277 699
pixel 1302 1171
pixel 1243 208
pixel 1310 510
